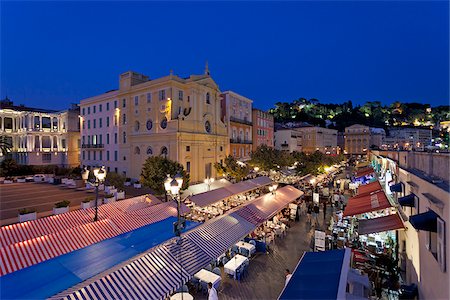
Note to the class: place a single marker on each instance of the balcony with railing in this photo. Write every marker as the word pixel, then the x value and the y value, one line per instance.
pixel 240 141
pixel 92 146
pixel 241 121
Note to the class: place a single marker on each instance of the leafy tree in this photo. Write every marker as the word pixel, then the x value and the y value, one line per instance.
pixel 154 173
pixel 231 169
pixel 5 144
pixel 117 180
pixel 9 167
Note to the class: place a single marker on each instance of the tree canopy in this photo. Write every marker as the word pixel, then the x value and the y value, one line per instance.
pixel 155 170
pixel 232 169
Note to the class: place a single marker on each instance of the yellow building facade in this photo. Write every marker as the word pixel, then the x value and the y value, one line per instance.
pixel 178 118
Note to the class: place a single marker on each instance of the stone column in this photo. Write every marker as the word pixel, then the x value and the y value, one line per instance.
pixel 40 126
pixel 40 142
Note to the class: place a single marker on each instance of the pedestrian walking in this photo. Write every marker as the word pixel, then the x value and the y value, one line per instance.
pixel 309 212
pixel 212 292
pixel 288 276
pixel 316 214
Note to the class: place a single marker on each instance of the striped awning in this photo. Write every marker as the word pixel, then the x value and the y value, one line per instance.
pixel 364 172
pixel 27 253
pixel 152 276
pixel 32 242
pixel 211 197
pixel 241 187
pixel 216 237
pixel 214 196
pixel 369 188
pixel 366 203
pixel 386 223
pixel 192 257
pixel 261 181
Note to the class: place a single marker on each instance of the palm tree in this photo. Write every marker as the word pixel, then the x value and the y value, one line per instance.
pixel 5 145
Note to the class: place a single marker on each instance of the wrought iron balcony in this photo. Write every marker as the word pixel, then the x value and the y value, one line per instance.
pixel 237 120
pixel 240 141
pixel 92 146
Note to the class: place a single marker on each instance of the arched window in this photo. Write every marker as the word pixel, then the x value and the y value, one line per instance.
pixel 149 124
pixel 164 123
pixel 137 150
pixel 164 151
pixel 208 100
pixel 137 125
pixel 149 151
pixel 208 127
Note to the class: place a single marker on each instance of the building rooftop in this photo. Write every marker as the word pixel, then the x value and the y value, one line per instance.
pixel 8 104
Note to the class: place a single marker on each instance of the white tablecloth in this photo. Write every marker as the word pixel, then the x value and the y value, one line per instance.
pixel 234 263
pixel 207 276
pixel 248 246
pixel 177 296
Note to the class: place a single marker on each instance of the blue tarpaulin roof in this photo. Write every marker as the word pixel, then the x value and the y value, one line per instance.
pixel 55 275
pixel 317 276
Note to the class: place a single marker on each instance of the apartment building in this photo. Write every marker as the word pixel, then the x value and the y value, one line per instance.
pixel 359 139
pixel 263 127
pixel 319 139
pixel 237 114
pixel 424 245
pixel 288 139
pixel 175 117
pixel 41 136
pixel 407 138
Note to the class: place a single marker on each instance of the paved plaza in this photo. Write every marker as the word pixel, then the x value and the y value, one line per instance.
pixel 39 196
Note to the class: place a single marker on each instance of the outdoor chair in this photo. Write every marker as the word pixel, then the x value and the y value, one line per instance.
pixel 208 267
pixel 217 271
pixel 225 260
pixel 235 248
pixel 182 289
pixel 245 252
pixel 252 242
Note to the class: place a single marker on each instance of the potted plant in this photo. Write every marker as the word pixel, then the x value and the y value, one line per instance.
pixel 127 182
pixel 21 179
pixel 109 198
pixel 87 202
pixel 120 195
pixel 61 207
pixel 137 185
pixel 8 180
pixel 27 214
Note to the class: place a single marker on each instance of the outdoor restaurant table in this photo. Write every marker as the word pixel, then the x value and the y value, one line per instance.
pixel 234 263
pixel 207 276
pixel 251 248
pixel 179 296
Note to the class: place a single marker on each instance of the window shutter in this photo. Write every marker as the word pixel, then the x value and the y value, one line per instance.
pixel 441 244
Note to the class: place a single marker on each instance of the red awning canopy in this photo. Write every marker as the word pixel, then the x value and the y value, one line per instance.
pixel 366 203
pixel 380 224
pixel 364 172
pixel 369 188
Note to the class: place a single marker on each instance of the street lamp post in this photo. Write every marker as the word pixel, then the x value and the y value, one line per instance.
pixel 209 181
pixel 100 175
pixel 173 187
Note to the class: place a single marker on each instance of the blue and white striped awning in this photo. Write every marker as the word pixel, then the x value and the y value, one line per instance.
pixel 192 258
pixel 152 276
pixel 216 237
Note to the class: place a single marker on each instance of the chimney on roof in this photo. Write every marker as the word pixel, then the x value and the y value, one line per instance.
pixel 130 78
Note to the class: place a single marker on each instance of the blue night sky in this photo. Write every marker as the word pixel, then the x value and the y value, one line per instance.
pixel 53 53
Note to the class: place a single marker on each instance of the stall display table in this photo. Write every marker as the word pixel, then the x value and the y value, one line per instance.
pixel 251 248
pixel 234 263
pixel 179 296
pixel 207 276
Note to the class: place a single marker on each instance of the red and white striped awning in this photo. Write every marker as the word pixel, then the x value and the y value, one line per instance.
pixel 32 242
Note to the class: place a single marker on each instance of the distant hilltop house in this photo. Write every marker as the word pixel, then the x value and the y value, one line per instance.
pixel 360 138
